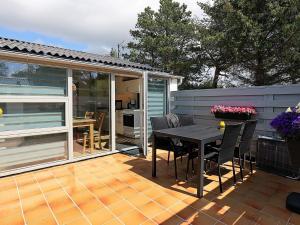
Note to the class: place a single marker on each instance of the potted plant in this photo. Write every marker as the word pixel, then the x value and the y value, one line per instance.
pixel 287 124
pixel 233 112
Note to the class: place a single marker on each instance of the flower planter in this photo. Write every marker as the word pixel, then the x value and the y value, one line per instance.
pixel 273 156
pixel 233 116
pixel 294 151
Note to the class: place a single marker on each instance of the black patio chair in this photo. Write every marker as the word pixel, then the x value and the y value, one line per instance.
pixel 186 120
pixel 245 143
pixel 165 143
pixel 225 152
pixel 222 153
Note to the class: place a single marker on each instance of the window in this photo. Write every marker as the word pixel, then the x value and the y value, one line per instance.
pixel 33 104
pixel 22 116
pixel 27 151
pixel 29 79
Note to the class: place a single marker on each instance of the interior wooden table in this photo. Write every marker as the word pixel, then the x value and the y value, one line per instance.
pixel 198 134
pixel 78 122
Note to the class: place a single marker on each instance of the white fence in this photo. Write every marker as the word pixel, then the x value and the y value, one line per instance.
pixel 268 100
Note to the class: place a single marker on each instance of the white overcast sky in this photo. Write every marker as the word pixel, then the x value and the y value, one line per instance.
pixel 97 25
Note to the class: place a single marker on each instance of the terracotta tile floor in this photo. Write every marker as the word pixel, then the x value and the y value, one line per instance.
pixel 119 189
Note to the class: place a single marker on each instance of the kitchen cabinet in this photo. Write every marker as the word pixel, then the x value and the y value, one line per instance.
pixel 128 86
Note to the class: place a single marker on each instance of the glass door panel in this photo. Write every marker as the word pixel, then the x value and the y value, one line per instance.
pixel 91 114
pixel 157 99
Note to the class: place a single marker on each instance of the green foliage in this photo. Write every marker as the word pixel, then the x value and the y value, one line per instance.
pixel 245 42
pixel 163 39
pixel 264 37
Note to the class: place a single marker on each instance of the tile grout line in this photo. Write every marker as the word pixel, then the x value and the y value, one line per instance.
pixel 20 200
pixel 46 199
pixel 56 179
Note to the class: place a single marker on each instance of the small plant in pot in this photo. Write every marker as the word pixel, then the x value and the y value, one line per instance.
pixel 287 124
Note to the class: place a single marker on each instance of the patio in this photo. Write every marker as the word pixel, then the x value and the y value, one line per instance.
pixel 119 189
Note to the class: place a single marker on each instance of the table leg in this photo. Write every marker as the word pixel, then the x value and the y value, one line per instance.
pixel 200 170
pixel 153 157
pixel 92 137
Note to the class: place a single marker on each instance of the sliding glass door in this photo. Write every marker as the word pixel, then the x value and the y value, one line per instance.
pixel 91 113
pixel 157 99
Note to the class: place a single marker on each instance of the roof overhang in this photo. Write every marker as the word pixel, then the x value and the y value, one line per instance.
pixel 80 65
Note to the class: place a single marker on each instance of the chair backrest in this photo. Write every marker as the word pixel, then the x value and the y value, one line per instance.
pixel 159 123
pixel 230 137
pixel 99 121
pixel 89 115
pixel 186 120
pixel 245 142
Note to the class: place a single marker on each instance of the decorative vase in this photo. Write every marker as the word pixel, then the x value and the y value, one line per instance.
pixel 233 116
pixel 294 151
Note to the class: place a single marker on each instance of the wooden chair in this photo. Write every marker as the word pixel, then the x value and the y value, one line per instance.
pixel 79 130
pixel 89 115
pixel 97 133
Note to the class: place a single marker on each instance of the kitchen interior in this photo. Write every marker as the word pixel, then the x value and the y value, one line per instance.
pixel 127 112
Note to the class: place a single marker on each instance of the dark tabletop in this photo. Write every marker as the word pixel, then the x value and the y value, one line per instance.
pixel 194 133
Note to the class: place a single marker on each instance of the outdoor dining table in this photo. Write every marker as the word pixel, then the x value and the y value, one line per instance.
pixel 197 134
pixel 84 122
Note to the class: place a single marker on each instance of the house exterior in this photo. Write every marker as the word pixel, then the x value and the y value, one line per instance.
pixel 52 101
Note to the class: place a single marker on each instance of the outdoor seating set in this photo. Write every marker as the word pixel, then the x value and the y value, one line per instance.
pixel 182 137
pixel 86 126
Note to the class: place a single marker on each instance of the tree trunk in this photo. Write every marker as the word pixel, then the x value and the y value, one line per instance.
pixel 216 77
pixel 259 75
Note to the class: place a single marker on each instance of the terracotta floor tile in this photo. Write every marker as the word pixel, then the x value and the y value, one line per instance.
pixel 121 207
pixel 110 199
pixel 79 221
pixel 68 215
pixel 178 207
pixel 167 218
pixel 127 190
pixel 100 216
pixel 16 219
pixel 277 212
pixel 151 209
pixel 201 218
pixel 49 220
pixel 295 219
pixel 90 205
pixel 138 200
pixel 153 192
pixel 133 217
pixel 166 200
pixel 149 222
pixel 113 222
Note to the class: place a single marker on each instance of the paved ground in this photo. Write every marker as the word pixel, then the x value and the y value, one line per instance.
pixel 119 189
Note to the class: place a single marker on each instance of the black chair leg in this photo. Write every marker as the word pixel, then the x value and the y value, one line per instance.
pixel 241 168
pixel 168 157
pixel 220 180
pixel 193 168
pixel 187 169
pixel 181 159
pixel 175 165
pixel 233 170
pixel 251 168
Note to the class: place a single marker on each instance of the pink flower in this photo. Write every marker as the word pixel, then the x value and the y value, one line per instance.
pixel 233 109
